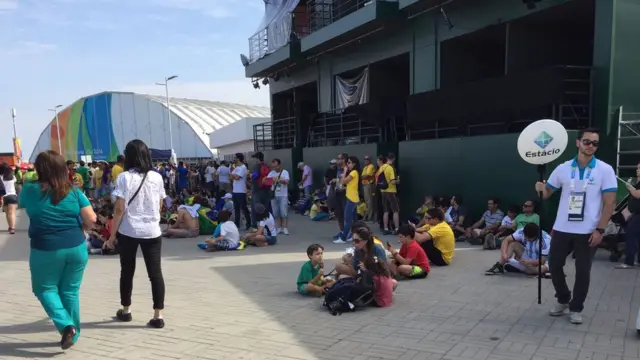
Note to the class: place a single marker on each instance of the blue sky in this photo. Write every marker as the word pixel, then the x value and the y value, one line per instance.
pixel 57 51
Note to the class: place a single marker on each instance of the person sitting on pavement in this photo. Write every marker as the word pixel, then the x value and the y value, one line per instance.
pixel 488 223
pixel 436 238
pixel 363 238
pixel 311 280
pixel 410 262
pixel 319 210
pixel 186 225
pixel 229 236
pixel 528 215
pixel 506 228
pixel 520 251
pixel 266 232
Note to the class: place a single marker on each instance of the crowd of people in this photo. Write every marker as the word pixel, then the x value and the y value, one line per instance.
pixel 124 204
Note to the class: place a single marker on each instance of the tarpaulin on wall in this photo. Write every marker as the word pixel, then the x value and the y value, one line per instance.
pixel 160 154
pixel 274 31
pixel 352 91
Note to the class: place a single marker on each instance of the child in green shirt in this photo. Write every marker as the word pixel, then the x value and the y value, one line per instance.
pixel 311 279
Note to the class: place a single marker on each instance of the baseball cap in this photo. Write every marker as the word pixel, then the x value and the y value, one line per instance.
pixel 333 161
pixel 258 155
pixel 300 163
pixel 227 196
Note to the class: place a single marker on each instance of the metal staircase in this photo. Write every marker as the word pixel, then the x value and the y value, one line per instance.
pixel 628 155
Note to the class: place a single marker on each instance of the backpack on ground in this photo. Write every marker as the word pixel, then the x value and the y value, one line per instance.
pixel 349 294
pixel 262 174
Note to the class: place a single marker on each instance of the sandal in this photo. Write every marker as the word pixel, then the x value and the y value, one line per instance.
pixel 623 266
pixel 124 317
pixel 12 231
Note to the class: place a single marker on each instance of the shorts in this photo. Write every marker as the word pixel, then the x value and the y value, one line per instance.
pixel 10 200
pixel 417 273
pixel 223 245
pixel 271 240
pixel 390 202
pixel 302 289
pixel 280 206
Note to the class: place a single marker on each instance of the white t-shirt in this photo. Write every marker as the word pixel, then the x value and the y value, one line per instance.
pixel 506 221
pixel 223 174
pixel 208 173
pixel 230 232
pixel 280 189
pixel 10 187
pixel 269 223
pixel 601 179
pixel 240 185
pixel 141 219
pixel 168 202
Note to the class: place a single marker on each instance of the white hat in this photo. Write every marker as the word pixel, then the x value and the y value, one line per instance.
pixel 333 161
pixel 227 196
pixel 300 164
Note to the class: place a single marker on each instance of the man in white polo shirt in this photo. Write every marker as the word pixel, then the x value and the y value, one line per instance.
pixel 587 199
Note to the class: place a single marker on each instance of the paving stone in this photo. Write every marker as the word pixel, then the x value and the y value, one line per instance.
pixel 244 306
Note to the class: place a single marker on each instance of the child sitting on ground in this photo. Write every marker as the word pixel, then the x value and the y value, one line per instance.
pixel 226 235
pixel 101 233
pixel 361 210
pixel 311 279
pixel 411 261
pixel 319 210
pixel 266 233
pixel 384 284
pixel 228 202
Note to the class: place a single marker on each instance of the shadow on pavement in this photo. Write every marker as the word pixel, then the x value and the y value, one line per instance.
pixel 20 350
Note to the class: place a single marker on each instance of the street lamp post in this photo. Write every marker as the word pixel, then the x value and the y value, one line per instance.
pixel 166 90
pixel 13 119
pixel 55 110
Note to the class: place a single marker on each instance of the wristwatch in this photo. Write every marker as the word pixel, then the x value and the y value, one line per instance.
pixel 601 231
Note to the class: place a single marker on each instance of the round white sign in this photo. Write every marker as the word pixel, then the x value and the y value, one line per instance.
pixel 542 142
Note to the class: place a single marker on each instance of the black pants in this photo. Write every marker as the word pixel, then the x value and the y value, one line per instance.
pixel 340 203
pixel 240 207
pixel 561 246
pixel 151 251
pixel 434 255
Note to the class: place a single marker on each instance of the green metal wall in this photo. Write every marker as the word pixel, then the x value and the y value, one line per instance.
pixel 476 168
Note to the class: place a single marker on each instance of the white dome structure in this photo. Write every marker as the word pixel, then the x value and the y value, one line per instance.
pixel 100 125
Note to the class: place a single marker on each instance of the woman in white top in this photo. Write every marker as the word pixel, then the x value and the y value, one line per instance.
pixel 10 198
pixel 139 193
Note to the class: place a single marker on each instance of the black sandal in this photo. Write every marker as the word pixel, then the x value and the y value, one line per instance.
pixel 67 337
pixel 12 231
pixel 156 323
pixel 124 317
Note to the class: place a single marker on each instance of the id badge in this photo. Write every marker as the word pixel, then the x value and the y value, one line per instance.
pixel 576 206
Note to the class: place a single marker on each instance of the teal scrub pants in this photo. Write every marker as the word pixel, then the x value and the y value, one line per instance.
pixel 55 279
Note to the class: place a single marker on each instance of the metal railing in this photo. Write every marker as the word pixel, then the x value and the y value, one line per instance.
pixel 277 134
pixel 276 35
pixel 322 13
pixel 337 128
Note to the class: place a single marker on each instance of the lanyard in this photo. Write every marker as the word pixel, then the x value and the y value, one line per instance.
pixel 585 180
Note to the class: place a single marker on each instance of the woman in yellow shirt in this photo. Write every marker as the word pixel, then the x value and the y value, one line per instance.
pixel 350 180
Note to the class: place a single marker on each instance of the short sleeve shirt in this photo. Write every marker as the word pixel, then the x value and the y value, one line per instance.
pixel 307 273
pixel 306 171
pixel 240 185
pixel 279 188
pixel 378 251
pixel 494 218
pixel 141 218
pixel 416 255
pixel 53 227
pixel 601 179
pixel 531 248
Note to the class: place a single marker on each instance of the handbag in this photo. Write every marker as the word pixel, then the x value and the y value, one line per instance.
pixel 275 185
pixel 137 191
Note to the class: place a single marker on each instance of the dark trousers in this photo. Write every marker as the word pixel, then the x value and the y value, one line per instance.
pixel 259 197
pixel 632 239
pixel 434 255
pixel 240 207
pixel 340 203
pixel 151 251
pixel 561 246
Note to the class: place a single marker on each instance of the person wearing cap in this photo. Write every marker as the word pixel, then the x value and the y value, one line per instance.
pixel 228 203
pixel 260 191
pixel 307 180
pixel 368 184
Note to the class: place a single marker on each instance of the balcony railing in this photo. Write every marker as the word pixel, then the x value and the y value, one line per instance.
pixel 278 34
pixel 322 13
pixel 339 128
pixel 277 134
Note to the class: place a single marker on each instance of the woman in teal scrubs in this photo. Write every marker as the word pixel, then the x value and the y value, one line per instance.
pixel 57 212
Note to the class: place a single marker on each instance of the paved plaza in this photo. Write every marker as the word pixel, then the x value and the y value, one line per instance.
pixel 243 305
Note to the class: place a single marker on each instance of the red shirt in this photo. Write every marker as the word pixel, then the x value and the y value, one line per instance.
pixel 416 255
pixel 384 290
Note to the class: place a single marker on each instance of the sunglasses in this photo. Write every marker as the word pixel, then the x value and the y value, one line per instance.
pixel 527 205
pixel 357 241
pixel 587 142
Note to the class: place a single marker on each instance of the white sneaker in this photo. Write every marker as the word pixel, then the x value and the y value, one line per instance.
pixel 350 239
pixel 575 318
pixel 95 251
pixel 278 231
pixel 285 231
pixel 559 309
pixel 339 241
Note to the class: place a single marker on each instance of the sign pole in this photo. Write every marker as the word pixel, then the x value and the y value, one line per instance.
pixel 540 143
pixel 541 171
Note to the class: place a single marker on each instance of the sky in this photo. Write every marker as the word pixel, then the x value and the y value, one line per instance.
pixel 58 51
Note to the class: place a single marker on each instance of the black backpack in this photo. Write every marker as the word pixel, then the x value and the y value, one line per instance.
pixel 381 182
pixel 349 294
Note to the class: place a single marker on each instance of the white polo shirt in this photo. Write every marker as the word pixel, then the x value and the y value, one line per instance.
pixel 601 180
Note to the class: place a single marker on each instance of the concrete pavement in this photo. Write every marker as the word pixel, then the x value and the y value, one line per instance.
pixel 243 305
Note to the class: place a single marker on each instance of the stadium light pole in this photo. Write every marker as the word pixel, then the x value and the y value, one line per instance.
pixel 166 91
pixel 55 110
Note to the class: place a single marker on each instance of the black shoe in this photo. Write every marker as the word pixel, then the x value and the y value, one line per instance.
pixel 386 232
pixel 497 269
pixel 512 269
pixel 67 337
pixel 120 315
pixel 156 323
